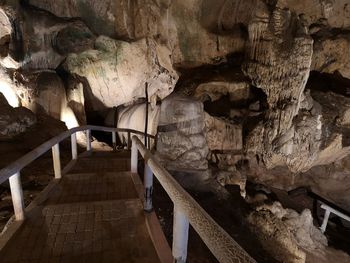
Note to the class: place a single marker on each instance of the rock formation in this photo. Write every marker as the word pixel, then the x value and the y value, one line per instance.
pixel 293 236
pixel 329 55
pixel 253 90
pixel 14 121
pixel 181 140
pixel 126 67
pixel 45 93
pixel 133 117
pixel 280 53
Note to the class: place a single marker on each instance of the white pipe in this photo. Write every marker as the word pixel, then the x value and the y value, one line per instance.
pixel 74 146
pixel 180 235
pixel 17 196
pixel 56 161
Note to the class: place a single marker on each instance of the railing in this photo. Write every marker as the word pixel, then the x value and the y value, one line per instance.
pixel 186 211
pixel 12 171
pixel 328 211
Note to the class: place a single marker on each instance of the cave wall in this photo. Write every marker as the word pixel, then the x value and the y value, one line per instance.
pixel 247 64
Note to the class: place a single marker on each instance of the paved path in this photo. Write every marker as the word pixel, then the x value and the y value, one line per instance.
pixel 93 214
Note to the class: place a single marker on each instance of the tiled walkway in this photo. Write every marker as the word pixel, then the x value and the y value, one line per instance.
pixel 88 217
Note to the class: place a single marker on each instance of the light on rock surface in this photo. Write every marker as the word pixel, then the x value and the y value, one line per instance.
pixel 68 116
pixel 9 94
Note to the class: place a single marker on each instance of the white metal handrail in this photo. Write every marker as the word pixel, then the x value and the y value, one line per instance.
pixel 186 211
pixel 328 211
pixel 12 171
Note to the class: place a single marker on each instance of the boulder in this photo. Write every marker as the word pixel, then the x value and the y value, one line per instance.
pixel 115 72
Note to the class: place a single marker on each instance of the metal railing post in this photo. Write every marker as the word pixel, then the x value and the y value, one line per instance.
pixel 134 158
pixel 180 235
pixel 129 141
pixel 56 160
pixel 114 140
pixel 88 140
pixel 148 185
pixel 74 146
pixel 17 196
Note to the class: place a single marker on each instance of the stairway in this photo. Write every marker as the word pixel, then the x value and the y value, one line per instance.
pixel 93 214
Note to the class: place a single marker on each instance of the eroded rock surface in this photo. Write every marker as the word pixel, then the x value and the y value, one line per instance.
pixel 134 117
pixel 116 71
pixel 331 13
pixel 222 135
pixel 178 24
pixel 47 40
pixel 331 55
pixel 292 236
pixel 45 93
pixel 280 53
pixel 14 121
pixel 181 140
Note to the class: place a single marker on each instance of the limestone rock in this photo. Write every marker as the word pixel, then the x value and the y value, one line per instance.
pixel 9 88
pixel 76 100
pixel 332 55
pixel 108 17
pixel 191 40
pixel 222 135
pixel 44 40
pixel 281 243
pixel 181 141
pixel 216 89
pixel 335 136
pixel 5 32
pixel 133 117
pixel 45 93
pixel 279 63
pixel 177 24
pixel 232 178
pixel 332 13
pixel 292 236
pixel 14 121
pixel 116 71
